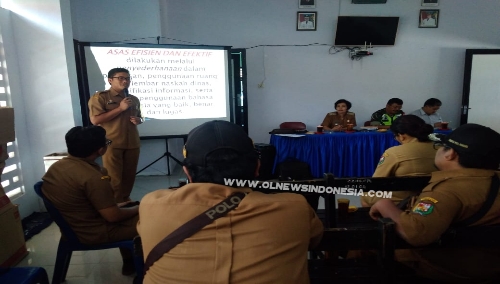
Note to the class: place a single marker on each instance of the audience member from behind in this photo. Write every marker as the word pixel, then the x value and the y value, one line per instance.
pixel 384 117
pixel 264 240
pixel 468 160
pixel 80 189
pixel 429 112
pixel 414 157
pixel 339 119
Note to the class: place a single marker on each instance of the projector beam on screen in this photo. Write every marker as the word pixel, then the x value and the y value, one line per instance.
pixel 179 88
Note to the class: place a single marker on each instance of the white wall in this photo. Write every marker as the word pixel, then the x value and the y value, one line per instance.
pixel 302 83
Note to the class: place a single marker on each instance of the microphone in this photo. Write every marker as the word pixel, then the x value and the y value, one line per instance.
pixel 125 93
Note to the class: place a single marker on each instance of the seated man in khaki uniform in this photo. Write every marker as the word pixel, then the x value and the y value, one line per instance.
pixel 80 189
pixel 468 160
pixel 264 240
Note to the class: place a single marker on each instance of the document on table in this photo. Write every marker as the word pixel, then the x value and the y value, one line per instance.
pixel 291 135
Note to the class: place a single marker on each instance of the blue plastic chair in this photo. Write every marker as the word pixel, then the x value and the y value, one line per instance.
pixel 24 275
pixel 69 243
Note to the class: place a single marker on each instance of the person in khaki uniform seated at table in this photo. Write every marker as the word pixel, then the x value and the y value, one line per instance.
pixel 414 157
pixel 338 120
pixel 80 189
pixel 119 113
pixel 263 240
pixel 468 160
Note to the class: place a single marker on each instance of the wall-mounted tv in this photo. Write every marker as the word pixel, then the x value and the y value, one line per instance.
pixel 356 31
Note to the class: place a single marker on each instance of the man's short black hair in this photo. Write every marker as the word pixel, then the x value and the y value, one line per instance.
pixel 83 141
pixel 395 101
pixel 432 102
pixel 113 71
pixel 346 102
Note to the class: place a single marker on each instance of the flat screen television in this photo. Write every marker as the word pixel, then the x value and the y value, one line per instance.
pixel 356 31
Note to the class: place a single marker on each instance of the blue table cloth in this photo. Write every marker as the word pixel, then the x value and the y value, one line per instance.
pixel 343 154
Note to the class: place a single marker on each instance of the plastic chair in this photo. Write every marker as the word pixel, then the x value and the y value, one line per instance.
pixel 24 275
pixel 69 243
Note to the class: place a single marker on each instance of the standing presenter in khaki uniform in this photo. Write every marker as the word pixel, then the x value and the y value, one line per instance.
pixel 119 113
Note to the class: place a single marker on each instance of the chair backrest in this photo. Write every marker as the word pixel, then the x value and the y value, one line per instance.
pixel 293 125
pixel 66 230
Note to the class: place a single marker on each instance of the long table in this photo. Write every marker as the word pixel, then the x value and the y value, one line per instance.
pixel 343 154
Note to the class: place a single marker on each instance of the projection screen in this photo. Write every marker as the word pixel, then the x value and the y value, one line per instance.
pixel 179 87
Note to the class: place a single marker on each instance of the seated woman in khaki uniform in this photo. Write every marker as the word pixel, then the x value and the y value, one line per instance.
pixel 338 120
pixel 414 157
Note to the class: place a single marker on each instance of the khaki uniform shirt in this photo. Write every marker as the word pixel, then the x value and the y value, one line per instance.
pixel 120 130
pixel 410 159
pixel 264 240
pixel 332 118
pixel 78 189
pixel 450 197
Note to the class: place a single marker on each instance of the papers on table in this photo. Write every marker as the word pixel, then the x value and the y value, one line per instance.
pixel 291 135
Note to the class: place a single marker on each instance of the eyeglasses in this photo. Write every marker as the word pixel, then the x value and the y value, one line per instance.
pixel 438 145
pixel 108 142
pixel 122 78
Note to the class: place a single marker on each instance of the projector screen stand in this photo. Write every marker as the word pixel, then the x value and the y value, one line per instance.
pixel 167 154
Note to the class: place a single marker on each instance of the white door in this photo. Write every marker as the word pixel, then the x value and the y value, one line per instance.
pixel 484 96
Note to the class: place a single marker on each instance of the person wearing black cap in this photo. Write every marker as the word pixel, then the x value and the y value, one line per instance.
pixel 263 240
pixel 468 159
pixel 81 190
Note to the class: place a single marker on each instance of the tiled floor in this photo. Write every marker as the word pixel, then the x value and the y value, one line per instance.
pixel 102 266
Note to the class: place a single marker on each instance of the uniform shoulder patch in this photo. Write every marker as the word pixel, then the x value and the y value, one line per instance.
pixel 382 158
pixel 332 113
pixel 423 208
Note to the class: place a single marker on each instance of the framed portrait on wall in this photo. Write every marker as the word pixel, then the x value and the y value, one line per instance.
pixel 428 18
pixel 430 2
pixel 307 4
pixel 306 21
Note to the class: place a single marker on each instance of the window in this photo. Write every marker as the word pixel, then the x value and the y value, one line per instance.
pixel 11 176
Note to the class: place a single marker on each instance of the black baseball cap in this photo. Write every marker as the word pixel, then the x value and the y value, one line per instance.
pixel 215 135
pixel 473 139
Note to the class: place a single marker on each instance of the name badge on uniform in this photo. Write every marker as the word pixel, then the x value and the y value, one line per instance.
pixel 110 102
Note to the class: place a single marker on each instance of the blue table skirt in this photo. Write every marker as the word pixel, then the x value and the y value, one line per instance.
pixel 343 154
